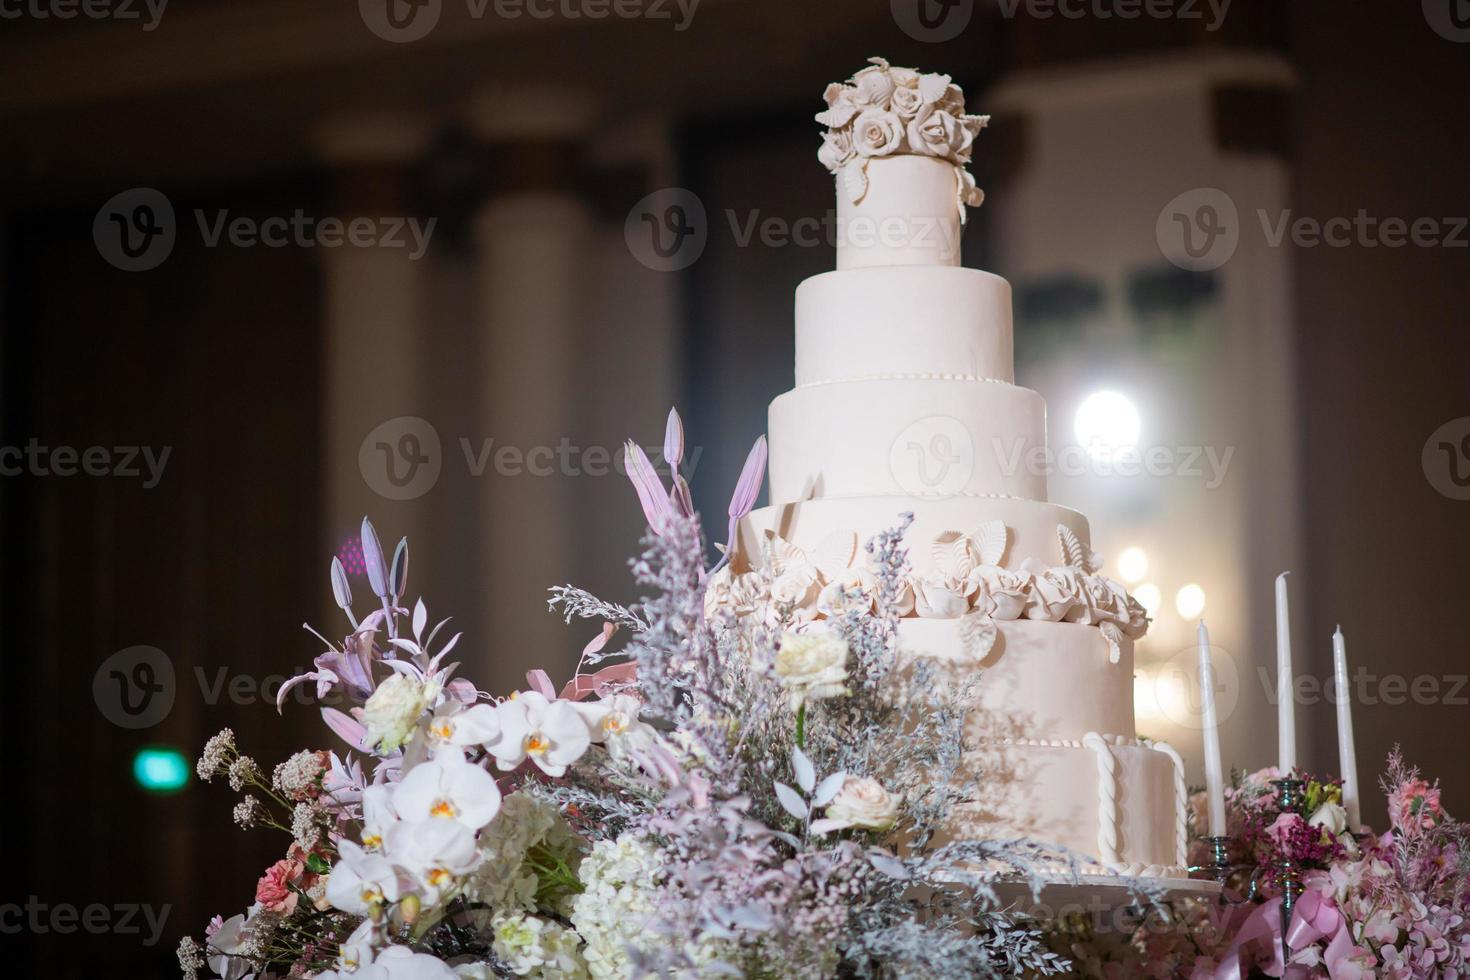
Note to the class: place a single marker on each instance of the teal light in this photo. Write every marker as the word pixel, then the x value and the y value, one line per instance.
pixel 161 770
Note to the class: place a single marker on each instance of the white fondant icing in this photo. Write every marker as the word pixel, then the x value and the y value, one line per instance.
pixel 1031 524
pixel 905 377
pixel 1181 803
pixel 1107 798
pixel 906 217
pixel 919 321
pixel 919 438
pixel 905 402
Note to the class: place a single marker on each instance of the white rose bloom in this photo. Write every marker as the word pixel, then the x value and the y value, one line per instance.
pixel 393 710
pixel 812 666
pixel 836 149
pixel 937 133
pixel 907 102
pixel 852 589
pixel 941 598
pixel 877 133
pixel 1331 818
pixel 863 802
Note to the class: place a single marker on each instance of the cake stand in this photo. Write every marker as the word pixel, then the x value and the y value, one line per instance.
pixel 1100 891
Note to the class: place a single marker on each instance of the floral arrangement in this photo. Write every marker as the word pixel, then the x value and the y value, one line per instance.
pixel 1395 905
pixel 725 795
pixel 882 111
pixel 968 581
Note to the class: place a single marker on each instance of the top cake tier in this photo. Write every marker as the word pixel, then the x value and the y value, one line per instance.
pixel 907 216
pixel 898 141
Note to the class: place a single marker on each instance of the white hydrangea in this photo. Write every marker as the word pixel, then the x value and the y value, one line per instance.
pixel 618 878
pixel 535 947
pixel 501 880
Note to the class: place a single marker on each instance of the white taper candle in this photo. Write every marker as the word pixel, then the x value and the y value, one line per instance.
pixel 1214 772
pixel 1285 684
pixel 1347 753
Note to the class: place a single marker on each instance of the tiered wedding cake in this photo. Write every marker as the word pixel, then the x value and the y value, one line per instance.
pixel 905 401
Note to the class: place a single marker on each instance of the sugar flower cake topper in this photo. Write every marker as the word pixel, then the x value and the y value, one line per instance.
pixel 884 111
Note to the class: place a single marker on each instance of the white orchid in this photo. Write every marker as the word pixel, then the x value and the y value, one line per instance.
pixel 395 963
pixel 356 949
pixel 435 852
pixel 613 722
pixel 459 726
pixel 361 880
pixel 448 787
pixel 225 943
pixel 378 814
pixel 550 733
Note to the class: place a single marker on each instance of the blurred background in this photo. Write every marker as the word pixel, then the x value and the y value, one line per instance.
pixel 269 266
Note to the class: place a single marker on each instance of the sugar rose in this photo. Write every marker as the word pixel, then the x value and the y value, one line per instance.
pixel 877 133
pixel 812 666
pixel 937 133
pixel 863 802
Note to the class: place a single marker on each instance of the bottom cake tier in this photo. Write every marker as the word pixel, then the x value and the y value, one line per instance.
pixel 1113 800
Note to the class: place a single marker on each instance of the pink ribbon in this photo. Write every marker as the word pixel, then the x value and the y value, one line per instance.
pixel 1262 927
pixel 1315 918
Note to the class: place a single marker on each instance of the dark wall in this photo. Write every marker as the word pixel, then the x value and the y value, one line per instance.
pixel 1382 364
pixel 216 364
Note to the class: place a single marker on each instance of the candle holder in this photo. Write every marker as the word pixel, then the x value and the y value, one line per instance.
pixel 1220 868
pixel 1290 798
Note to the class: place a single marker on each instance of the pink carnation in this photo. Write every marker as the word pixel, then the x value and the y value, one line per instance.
pixel 273 891
pixel 1415 804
